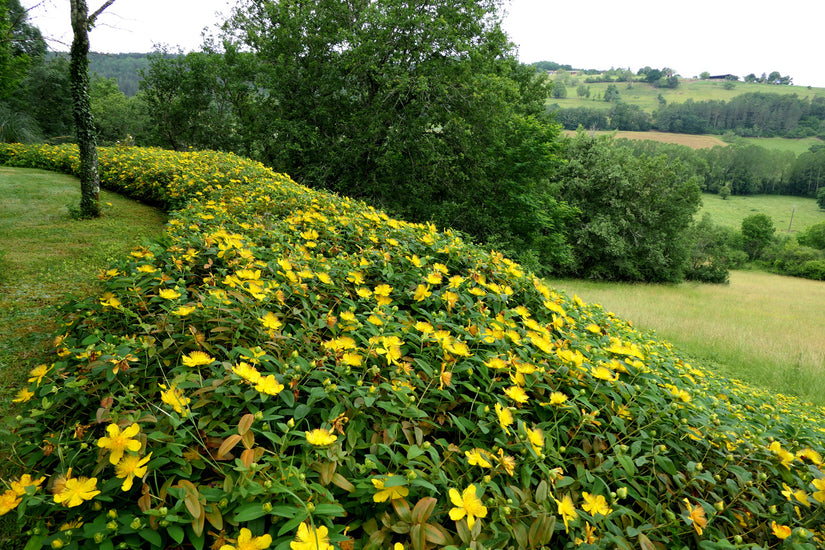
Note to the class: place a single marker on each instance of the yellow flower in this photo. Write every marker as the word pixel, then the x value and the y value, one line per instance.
pixel 388 493
pixel 352 359
pixel 117 442
pixel 8 502
pixel 269 385
pixel 536 438
pixel 37 373
pixel 183 311
pixel 780 531
pixel 557 398
pixel 422 292
pixel 595 504
pixel 507 462
pixel 505 417
pixel 75 491
pixel 168 293
pixel 819 495
pixel 247 542
pixel 696 516
pixel 174 398
pixel 320 437
pixel 811 455
pixel 271 321
pixel 309 538
pixel 23 395
pixel 517 394
pixel 382 294
pixel 19 487
pixel 604 373
pixel 477 457
pixel 567 510
pixel 247 372
pixel 467 504
pixel 130 467
pixel 589 535
pixel 451 298
pixel 197 358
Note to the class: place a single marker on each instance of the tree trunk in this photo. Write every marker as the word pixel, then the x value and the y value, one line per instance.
pixel 82 111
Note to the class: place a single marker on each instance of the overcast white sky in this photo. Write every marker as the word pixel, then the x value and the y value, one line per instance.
pixel 718 36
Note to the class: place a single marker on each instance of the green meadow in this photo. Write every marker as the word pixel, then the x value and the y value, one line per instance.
pixel 761 328
pixel 46 256
pixel 646 96
pixel 789 214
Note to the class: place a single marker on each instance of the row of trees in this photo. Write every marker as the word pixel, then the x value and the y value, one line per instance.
pixel 744 169
pixel 748 115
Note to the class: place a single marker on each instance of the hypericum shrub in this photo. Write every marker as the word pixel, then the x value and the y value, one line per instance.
pixel 294 370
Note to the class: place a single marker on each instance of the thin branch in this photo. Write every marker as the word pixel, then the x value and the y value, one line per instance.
pixel 91 19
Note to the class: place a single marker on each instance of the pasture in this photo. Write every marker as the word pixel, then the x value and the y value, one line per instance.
pixel 761 328
pixel 780 208
pixel 646 96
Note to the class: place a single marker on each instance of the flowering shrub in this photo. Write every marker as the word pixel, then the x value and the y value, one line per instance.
pixel 292 369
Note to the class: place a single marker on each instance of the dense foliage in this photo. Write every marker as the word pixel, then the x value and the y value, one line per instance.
pixel 287 366
pixel 633 212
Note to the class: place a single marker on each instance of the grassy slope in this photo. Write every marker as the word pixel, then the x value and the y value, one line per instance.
pixel 645 95
pixel 46 255
pixel 763 328
pixel 732 211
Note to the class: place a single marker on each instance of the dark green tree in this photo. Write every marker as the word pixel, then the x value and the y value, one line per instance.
pixel 757 233
pixel 813 236
pixel 611 93
pixel 82 23
pixel 820 198
pixel 117 117
pixel 45 94
pixel 21 44
pixel 634 212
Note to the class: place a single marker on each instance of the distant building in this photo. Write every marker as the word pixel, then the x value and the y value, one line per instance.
pixel 724 77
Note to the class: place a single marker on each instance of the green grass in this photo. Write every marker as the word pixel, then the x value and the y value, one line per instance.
pixel 46 256
pixel 795 146
pixel 762 328
pixel 646 96
pixel 732 211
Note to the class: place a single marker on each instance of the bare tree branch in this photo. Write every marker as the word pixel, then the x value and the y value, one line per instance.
pixel 91 19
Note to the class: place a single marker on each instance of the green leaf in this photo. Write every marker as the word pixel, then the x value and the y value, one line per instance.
pixel 176 532
pixel 328 509
pixel 665 464
pixel 151 536
pixel 248 512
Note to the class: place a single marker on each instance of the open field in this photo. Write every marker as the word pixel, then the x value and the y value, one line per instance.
pixel 732 211
pixel 45 256
pixel 646 96
pixel 762 328
pixel 796 146
pixel 694 141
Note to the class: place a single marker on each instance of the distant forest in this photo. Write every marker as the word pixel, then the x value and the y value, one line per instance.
pixel 122 66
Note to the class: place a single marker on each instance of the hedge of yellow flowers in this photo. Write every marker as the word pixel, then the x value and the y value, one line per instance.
pixel 291 369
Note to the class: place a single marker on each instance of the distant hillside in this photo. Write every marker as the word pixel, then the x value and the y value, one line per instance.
pixel 122 66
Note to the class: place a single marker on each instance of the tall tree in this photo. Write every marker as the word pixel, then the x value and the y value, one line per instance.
pixel 419 107
pixel 84 122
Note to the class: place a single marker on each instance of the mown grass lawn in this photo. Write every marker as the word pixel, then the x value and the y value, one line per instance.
pixel 47 256
pixel 762 328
